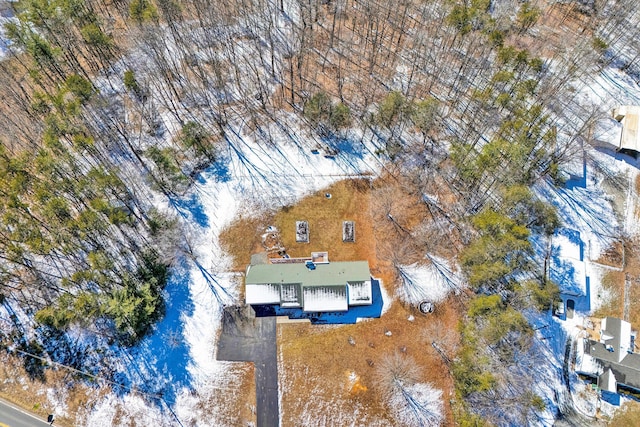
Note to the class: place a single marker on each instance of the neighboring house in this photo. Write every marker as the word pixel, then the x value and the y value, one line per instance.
pixel 311 286
pixel 628 116
pixel 567 268
pixel 612 359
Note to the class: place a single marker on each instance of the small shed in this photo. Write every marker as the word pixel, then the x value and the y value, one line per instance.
pixel 629 117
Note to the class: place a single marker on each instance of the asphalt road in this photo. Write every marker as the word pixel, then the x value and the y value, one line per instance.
pixel 13 417
pixel 253 339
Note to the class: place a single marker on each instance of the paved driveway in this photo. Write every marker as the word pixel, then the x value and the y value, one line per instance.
pixel 246 338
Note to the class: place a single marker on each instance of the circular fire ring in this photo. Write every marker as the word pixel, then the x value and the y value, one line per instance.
pixel 426 307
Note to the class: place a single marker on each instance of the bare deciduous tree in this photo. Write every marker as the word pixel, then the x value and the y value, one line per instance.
pixel 411 402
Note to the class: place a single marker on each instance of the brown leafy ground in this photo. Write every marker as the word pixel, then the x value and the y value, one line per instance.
pixel 324 377
pixel 628 416
pixel 327 371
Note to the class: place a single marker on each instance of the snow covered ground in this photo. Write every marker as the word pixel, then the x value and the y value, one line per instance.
pixel 591 224
pixel 180 354
pixel 432 282
pixel 6 15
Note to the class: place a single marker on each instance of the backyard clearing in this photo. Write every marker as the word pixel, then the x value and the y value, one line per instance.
pixel 327 373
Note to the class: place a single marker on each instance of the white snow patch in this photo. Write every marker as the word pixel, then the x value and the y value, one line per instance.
pixel 6 16
pixel 599 295
pixel 417 405
pixel 431 282
pixel 130 409
pixel 57 398
pixel 386 299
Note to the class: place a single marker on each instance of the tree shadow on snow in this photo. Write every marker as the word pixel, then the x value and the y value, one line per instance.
pixel 191 208
pixel 218 170
pixel 158 365
pixel 345 146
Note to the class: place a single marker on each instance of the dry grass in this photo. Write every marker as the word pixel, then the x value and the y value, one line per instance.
pixel 628 416
pixel 233 401
pixel 614 283
pixel 17 388
pixel 613 256
pixel 320 369
pixel 243 238
pixel 350 200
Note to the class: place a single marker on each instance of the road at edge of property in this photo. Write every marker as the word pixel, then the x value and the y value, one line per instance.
pixel 13 416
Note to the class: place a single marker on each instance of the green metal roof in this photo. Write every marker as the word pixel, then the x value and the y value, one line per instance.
pixel 331 274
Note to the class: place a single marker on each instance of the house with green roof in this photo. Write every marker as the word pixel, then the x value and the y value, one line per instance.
pixel 311 286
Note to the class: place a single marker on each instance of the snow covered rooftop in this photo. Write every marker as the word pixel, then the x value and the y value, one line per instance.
pixel 325 287
pixel 616 333
pixel 263 294
pixel 629 116
pixel 613 353
pixel 360 293
pixel 325 298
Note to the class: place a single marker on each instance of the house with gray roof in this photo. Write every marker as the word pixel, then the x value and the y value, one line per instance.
pixel 311 286
pixel 614 362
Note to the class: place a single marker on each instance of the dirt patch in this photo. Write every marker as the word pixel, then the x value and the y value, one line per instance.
pixel 349 200
pixel 327 372
pixel 613 256
pixel 336 365
pixel 627 416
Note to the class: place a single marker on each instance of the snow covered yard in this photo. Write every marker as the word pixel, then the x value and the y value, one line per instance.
pixel 178 359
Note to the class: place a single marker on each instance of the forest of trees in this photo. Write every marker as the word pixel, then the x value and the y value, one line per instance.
pixel 107 102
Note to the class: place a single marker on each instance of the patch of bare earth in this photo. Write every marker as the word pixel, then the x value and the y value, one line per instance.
pixel 327 373
pixel 627 416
